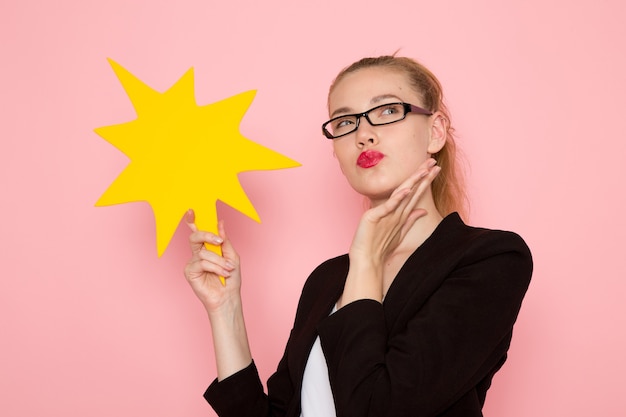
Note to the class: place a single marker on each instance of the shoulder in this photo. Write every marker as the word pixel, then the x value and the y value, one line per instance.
pixel 327 274
pixel 470 242
pixel 338 264
pixel 482 255
pixel 322 288
pixel 498 255
pixel 458 263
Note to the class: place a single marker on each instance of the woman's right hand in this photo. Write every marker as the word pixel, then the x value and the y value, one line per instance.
pixel 222 302
pixel 204 269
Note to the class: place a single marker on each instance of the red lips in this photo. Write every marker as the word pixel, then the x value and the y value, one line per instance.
pixel 369 159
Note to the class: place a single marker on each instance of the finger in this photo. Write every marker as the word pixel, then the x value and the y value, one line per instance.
pixel 213 257
pixel 221 229
pixel 388 207
pixel 420 181
pixel 418 190
pixel 228 250
pixel 199 267
pixel 418 175
pixel 422 172
pixel 409 185
pixel 190 219
pixel 410 221
pixel 402 198
pixel 199 238
pixel 214 268
pixel 429 163
pixel 426 180
pixel 405 200
pixel 405 193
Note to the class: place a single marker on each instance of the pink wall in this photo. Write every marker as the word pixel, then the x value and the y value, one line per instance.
pixel 93 323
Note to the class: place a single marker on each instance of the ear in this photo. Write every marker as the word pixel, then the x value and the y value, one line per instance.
pixel 438 133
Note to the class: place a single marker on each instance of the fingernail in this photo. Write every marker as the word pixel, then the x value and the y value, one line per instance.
pixel 230 265
pixel 218 240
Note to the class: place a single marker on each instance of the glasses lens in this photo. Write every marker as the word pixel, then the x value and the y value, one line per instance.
pixel 380 115
pixel 341 125
pixel 387 113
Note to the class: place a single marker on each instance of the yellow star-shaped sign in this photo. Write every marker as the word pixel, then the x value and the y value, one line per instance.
pixel 183 155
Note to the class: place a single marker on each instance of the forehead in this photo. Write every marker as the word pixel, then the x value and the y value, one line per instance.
pixel 357 90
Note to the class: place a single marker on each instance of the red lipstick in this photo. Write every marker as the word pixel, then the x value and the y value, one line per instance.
pixel 369 159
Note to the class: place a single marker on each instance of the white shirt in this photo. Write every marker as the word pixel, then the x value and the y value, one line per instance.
pixel 316 395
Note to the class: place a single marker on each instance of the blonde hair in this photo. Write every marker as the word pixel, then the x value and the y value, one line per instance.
pixel 448 188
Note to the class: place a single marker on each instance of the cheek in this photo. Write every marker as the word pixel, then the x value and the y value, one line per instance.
pixel 415 151
pixel 341 154
pixel 421 141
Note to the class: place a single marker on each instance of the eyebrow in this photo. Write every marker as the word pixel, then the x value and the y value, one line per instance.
pixel 374 100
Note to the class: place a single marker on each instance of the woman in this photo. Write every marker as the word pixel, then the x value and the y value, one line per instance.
pixel 417 317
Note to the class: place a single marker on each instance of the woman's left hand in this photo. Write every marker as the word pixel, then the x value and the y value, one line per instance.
pixel 382 229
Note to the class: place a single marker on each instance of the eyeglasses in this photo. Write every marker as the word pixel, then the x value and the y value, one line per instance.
pixel 379 115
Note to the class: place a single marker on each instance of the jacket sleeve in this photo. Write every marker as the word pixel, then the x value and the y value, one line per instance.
pixel 452 342
pixel 242 394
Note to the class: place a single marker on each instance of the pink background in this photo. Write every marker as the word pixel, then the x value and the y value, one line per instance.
pixel 94 324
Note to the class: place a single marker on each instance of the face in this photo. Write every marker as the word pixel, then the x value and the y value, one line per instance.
pixel 376 159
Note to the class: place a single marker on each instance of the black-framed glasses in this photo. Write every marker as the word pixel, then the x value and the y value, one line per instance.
pixel 379 115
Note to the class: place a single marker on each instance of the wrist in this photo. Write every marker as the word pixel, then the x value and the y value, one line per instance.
pixel 230 339
pixel 364 281
pixel 225 309
pixel 365 265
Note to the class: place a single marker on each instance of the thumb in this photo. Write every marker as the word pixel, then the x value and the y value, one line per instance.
pixel 228 251
pixel 190 219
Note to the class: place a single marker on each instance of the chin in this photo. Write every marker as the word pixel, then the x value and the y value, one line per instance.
pixel 372 184
pixel 374 194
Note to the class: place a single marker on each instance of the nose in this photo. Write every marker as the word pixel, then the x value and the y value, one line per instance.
pixel 365 134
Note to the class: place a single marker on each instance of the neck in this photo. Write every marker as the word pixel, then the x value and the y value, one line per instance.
pixel 420 231
pixel 422 228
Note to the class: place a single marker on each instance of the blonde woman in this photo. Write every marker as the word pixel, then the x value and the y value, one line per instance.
pixel 417 317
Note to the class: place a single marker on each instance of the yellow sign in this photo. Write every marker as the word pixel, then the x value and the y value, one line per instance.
pixel 183 155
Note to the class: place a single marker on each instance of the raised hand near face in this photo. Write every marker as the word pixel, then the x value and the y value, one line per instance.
pixel 382 228
pixel 381 231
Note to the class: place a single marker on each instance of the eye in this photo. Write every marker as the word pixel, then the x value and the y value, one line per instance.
pixel 387 113
pixel 389 110
pixel 342 123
